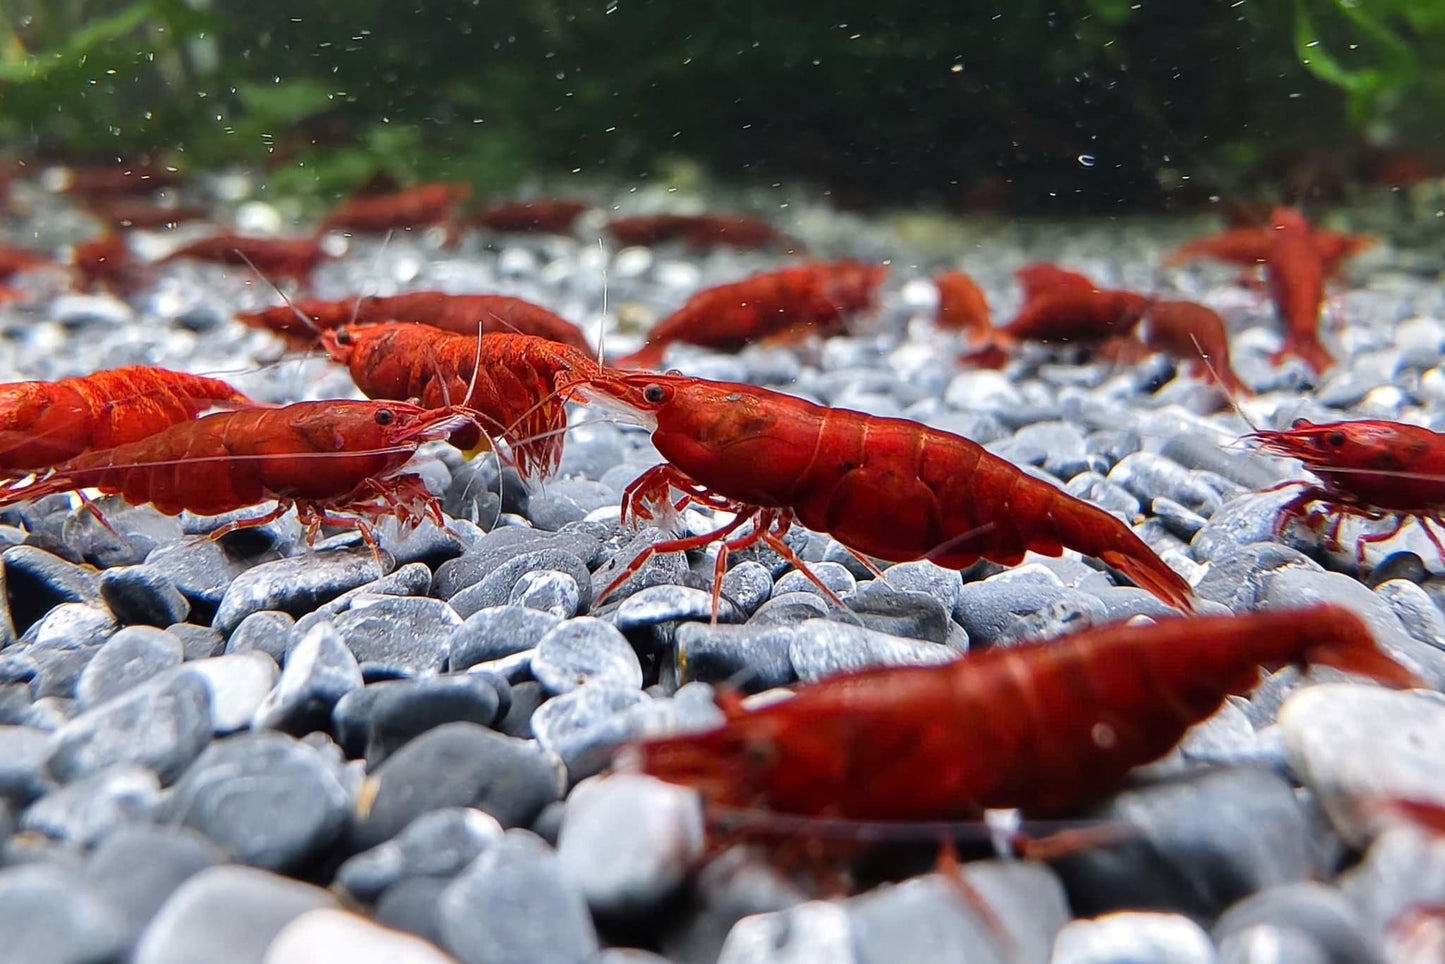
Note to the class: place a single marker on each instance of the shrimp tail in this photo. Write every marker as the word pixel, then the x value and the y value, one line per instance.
pixel 1308 349
pixel 1094 532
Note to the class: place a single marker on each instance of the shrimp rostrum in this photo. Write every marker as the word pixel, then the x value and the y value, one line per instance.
pixel 885 488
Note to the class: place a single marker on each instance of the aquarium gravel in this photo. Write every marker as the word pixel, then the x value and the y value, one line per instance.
pixel 252 749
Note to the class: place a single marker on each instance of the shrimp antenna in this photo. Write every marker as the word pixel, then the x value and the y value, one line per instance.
pixel 1223 385
pixel 300 315
pixel 602 318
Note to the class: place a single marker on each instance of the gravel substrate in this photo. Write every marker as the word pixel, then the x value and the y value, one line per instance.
pixel 251 750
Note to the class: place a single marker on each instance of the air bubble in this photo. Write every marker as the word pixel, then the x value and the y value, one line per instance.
pixel 1087 160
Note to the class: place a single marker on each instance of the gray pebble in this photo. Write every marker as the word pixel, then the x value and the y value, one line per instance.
pixel 1137 937
pixel 401 710
pixel 583 726
pixel 38 580
pixel 268 800
pixel 137 868
pixel 747 585
pixel 163 724
pixel 1239 576
pixel 812 931
pixel 628 841
pixel 908 614
pixel 456 765
pixel 1271 944
pixel 1149 476
pixel 1242 522
pixel 411 905
pixel 791 608
pixel 201 571
pixel 294 585
pixel 497 631
pixel 439 843
pixel 1195 451
pixel 1356 745
pixel 141 595
pixel 198 642
pixel 1416 611
pixel 922 576
pixel 1178 519
pixel 822 648
pixel 661 569
pixel 267 631
pixel 514 903
pixel 494 588
pixel 320 671
pixel 412 579
pixel 48 914
pixel 1024 604
pixel 71 626
pixel 399 635
pixel 239 683
pixel 833 575
pixel 1403 869
pixel 661 604
pixel 1313 910
pixel 23 752
pixel 126 660
pixel 88 810
pixel 225 914
pixel 585 651
pixel 547 590
pixel 752 657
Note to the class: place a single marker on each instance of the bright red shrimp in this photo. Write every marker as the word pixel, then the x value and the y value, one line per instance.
pixel 427 204
pixel 44 423
pixel 962 305
pixel 15 260
pixel 1250 247
pixel 510 381
pixel 1192 331
pixel 1370 469
pixel 1047 727
pixel 321 457
pixel 459 314
pixel 276 257
pixel 1295 273
pixel 813 298
pixel 119 213
pixel 888 488
pixel 698 230
pixel 554 217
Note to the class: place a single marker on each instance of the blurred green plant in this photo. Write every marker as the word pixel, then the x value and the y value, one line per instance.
pixel 1380 52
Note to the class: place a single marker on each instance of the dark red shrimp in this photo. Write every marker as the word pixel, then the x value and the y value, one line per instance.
pixel 120 213
pixel 44 423
pixel 428 204
pixel 811 299
pixel 554 217
pixel 1249 247
pixel 119 179
pixel 962 305
pixel 698 230
pixel 1046 727
pixel 1295 273
pixel 1370 469
pixel 1062 306
pixel 884 487
pixel 511 381
pixel 459 314
pixel 106 262
pixel 276 257
pixel 323 458
pixel 15 260
pixel 1191 331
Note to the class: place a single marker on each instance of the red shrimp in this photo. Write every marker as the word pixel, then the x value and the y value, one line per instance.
pixel 1047 727
pixel 509 380
pixel 44 423
pixel 884 487
pixel 962 305
pixel 323 458
pixel 698 230
pixel 105 262
pixel 119 179
pixel 459 314
pixel 1116 697
pixel 118 213
pixel 813 298
pixel 1250 247
pixel 554 217
pixel 425 205
pixel 1061 306
pixel 1295 273
pixel 15 260
pixel 1191 331
pixel 278 257
pixel 1370 469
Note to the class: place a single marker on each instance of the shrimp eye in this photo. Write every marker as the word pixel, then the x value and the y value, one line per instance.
pixel 1337 439
pixel 655 394
pixel 343 337
pixel 760 753
pixel 385 416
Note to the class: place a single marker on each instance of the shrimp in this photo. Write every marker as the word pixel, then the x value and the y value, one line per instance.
pixel 119 179
pixel 283 257
pixel 15 260
pixel 813 297
pixel 962 305
pixel 1062 306
pixel 105 262
pixel 509 380
pixel 45 423
pixel 1191 331
pixel 1295 272
pixel 323 458
pixel 697 230
pixel 425 205
pixel 883 487
pixel 118 213
pixel 1046 727
pixel 460 314
pixel 1371 469
pixel 555 217
pixel 1250 247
